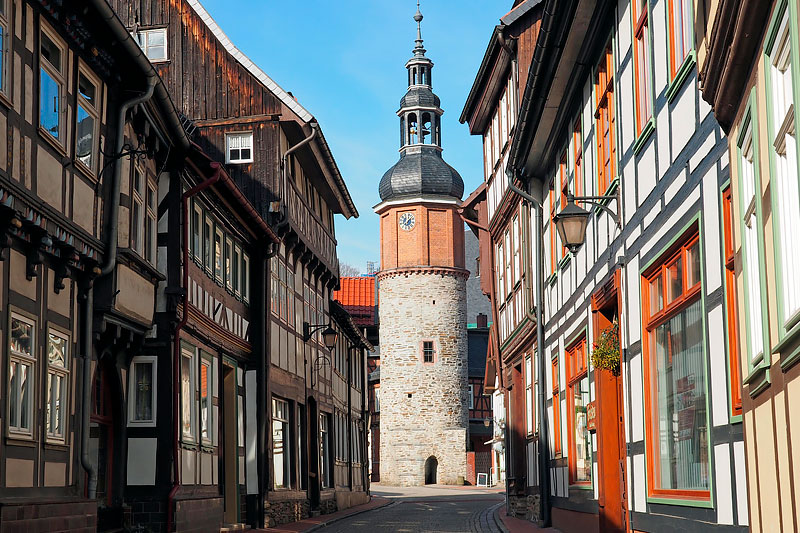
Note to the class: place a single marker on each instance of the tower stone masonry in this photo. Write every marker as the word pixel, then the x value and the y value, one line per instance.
pixel 422 289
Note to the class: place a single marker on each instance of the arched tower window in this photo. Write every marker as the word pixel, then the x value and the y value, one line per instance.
pixel 413 129
pixel 402 131
pixel 438 131
pixel 422 76
pixel 426 129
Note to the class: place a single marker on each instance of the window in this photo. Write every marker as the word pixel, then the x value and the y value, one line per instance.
pixel 471 396
pixel 564 181
pixel 205 400
pixel 377 399
pixel 153 43
pixel 517 257
pixel 4 42
pixel 580 442
pixel 57 384
pixel 281 449
pixel 675 375
pixel 428 352
pixel 142 391
pixel 751 230
pixel 52 63
pixel 197 246
pixel 604 121
pixel 501 272
pixel 556 408
pixel 88 121
pixel 641 61
pixel 552 194
pixel 208 229
pixel 528 395
pixel 730 301
pixel 508 265
pixel 239 147
pixel 188 394
pixel 680 33
pixel 228 262
pixel 137 210
pixel 151 243
pixel 245 276
pixel 21 375
pixel 326 474
pixel 218 239
pixel 783 151
pixel 237 254
pixel 577 147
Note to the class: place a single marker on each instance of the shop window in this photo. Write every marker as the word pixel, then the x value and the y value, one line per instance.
pixel 142 391
pixel 604 120
pixel 21 375
pixel 730 304
pixel 641 61
pixel 57 384
pixel 675 376
pixel 239 147
pixel 188 387
pixel 52 63
pixel 529 396
pixel 153 43
pixel 281 449
pixel 580 442
pixel 88 119
pixel 556 408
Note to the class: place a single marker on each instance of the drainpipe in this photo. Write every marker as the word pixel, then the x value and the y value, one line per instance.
pixel 108 266
pixel 285 158
pixel 215 177
pixel 544 460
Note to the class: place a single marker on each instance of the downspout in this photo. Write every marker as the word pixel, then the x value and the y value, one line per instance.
pixel 544 460
pixel 285 158
pixel 108 266
pixel 350 418
pixel 176 483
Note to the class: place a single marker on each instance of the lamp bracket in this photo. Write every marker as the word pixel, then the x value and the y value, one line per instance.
pixel 310 329
pixel 599 202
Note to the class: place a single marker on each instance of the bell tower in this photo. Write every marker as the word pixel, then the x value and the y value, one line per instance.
pixel 422 289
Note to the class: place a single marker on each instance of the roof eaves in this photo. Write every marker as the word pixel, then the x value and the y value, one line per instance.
pixel 484 71
pixel 518 12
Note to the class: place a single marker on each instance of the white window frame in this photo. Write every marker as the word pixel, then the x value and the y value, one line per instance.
pixel 208 245
pixel 58 75
pixel 205 361
pixel 243 137
pixel 93 110
pixel 24 359
pixel 196 241
pixel 528 395
pixel 236 268
pixel 227 262
pixel 137 200
pixel 63 373
pixel 245 276
pixel 189 356
pixel 132 420
pixel 218 272
pixel 287 442
pixel 151 221
pixel 143 38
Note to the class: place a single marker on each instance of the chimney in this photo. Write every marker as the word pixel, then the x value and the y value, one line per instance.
pixel 482 320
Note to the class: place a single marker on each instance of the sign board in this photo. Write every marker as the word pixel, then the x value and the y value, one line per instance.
pixel 483 480
pixel 591 416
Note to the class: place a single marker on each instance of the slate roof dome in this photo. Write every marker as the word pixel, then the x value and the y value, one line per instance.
pixel 421 172
pixel 419 97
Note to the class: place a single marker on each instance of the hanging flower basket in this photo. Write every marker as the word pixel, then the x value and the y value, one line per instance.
pixel 605 355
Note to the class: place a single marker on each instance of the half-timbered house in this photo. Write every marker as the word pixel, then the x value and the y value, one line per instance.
pixel 748 63
pixel 504 224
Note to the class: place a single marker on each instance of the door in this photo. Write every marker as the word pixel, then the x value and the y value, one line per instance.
pixel 313 454
pixel 230 444
pixel 102 441
pixel 611 446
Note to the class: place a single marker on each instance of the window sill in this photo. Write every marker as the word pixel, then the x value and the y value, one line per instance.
pixel 56 445
pixel 704 501
pixel 611 189
pixel 551 279
pixel 188 445
pixel 85 171
pixel 683 72
pixel 565 261
pixel 20 439
pixel 52 141
pixel 646 133
pixel 144 265
pixel 581 486
pixel 789 348
pixel 758 379
pixel 5 101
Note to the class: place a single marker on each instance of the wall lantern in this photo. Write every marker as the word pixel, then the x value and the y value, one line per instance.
pixel 571 222
pixel 328 336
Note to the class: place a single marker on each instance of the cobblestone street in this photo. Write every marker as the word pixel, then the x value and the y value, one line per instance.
pixel 427 509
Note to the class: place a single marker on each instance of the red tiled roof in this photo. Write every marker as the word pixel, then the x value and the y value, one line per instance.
pixel 357 295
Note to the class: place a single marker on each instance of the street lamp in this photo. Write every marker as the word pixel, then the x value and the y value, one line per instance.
pixel 571 222
pixel 328 336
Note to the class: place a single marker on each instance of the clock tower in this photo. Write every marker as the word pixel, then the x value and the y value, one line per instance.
pixel 422 290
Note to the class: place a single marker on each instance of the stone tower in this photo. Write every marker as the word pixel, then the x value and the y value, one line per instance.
pixel 422 288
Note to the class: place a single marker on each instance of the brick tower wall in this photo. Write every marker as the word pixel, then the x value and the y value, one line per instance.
pixel 417 306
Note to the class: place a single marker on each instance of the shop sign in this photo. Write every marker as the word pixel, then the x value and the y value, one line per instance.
pixel 591 416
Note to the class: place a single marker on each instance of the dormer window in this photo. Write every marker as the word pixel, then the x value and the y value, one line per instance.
pixel 239 147
pixel 153 43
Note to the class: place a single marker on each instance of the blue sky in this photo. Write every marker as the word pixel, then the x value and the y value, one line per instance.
pixel 343 60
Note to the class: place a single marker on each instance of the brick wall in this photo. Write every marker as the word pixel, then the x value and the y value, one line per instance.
pixel 198 516
pixel 73 517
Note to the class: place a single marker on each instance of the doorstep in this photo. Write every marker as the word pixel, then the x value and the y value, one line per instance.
pixel 510 524
pixel 317 522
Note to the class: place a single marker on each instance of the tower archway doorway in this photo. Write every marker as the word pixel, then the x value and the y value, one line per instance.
pixel 431 467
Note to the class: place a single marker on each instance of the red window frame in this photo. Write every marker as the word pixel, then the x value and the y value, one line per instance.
pixel 732 316
pixel 604 118
pixel 576 370
pixel 564 181
pixel 552 194
pixel 556 410
pixel 671 306
pixel 675 62
pixel 641 49
pixel 577 144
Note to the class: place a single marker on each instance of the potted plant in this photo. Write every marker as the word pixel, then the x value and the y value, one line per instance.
pixel 605 355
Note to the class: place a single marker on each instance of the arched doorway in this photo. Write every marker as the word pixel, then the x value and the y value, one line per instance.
pixel 431 466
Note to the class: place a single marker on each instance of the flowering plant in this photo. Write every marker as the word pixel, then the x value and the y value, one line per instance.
pixel 605 354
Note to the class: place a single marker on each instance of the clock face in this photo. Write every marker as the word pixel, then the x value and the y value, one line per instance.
pixel 407 221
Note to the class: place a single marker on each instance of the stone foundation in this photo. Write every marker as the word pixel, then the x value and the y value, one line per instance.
pixel 72 517
pixel 285 511
pixel 199 516
pixel 524 506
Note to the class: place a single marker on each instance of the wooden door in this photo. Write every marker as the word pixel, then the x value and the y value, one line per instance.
pixel 611 446
pixel 230 445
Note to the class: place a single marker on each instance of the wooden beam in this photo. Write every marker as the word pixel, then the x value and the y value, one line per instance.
pixel 231 121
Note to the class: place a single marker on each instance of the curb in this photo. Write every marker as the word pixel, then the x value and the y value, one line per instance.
pixel 321 525
pixel 497 520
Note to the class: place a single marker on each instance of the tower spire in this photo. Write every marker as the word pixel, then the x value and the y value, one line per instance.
pixel 419 50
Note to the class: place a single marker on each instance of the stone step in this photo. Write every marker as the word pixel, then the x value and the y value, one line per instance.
pixel 231 528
